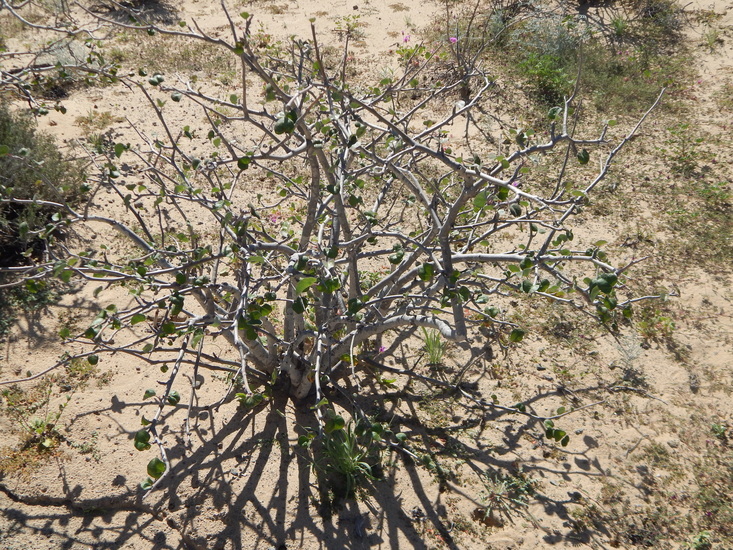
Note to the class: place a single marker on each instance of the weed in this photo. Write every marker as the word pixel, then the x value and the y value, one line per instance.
pixel 96 121
pixel 684 152
pixel 349 455
pixel 349 27
pixel 657 455
pixel 654 323
pixel 548 78
pixel 711 39
pixel 433 346
pixel 506 494
pixel 701 541
pixel 32 415
pixel 714 498
pixel 720 431
pixel 724 96
pixel 37 422
pixel 89 447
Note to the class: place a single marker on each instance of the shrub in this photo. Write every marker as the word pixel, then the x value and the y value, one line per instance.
pixel 31 168
pixel 336 214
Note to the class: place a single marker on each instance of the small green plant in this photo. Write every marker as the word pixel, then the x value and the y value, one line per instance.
pixel 547 76
pixel 506 495
pixel 655 324
pixel 685 154
pixel 701 541
pixel 433 346
pixel 720 431
pixel 619 28
pixel 33 417
pixel 711 39
pixel 96 121
pixel 349 453
pixel 349 27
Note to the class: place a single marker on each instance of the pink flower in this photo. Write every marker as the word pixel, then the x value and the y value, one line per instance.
pixel 382 349
pixel 453 39
pixel 406 38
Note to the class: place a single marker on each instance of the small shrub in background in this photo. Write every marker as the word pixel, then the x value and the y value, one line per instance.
pixel 31 167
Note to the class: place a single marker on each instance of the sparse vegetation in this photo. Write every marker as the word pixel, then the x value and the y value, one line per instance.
pixel 337 215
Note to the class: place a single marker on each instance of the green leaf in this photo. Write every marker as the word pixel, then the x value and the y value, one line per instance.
pixel 250 401
pixel 65 275
pixel 334 424
pixel 527 286
pixel 64 333
pixel 304 284
pixel 517 335
pixel 137 318
pixel 173 398
pixel 148 393
pixel 299 305
pixel 426 272
pixel 147 484
pixel 479 200
pixel 119 149
pixel 156 468
pixel 330 285
pixel 93 359
pixel 176 303
pixel 306 440
pixel 526 263
pixel 354 305
pixel 142 438
pixel 583 156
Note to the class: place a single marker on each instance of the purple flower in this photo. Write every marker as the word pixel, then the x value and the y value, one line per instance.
pixel 382 349
pixel 453 39
pixel 406 38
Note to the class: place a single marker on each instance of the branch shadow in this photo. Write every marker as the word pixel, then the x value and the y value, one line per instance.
pixel 239 480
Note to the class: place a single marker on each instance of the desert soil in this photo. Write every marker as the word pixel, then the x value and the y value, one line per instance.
pixel 239 480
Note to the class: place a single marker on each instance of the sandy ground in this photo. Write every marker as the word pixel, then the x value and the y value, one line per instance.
pixel 239 480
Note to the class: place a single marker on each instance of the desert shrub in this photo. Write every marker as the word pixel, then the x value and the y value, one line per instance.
pixel 338 219
pixel 31 168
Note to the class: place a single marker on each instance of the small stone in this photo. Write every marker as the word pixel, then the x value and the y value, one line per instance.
pixel 579 431
pixel 540 367
pixel 674 443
